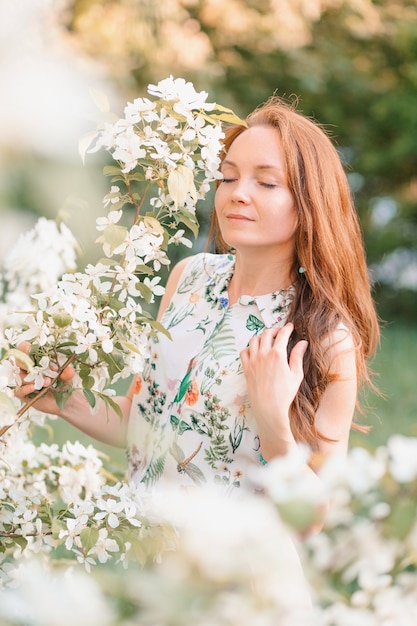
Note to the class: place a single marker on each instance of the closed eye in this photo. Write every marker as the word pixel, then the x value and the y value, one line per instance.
pixel 268 185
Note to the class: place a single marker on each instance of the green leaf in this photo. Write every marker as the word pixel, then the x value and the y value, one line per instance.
pixel 144 269
pixel 111 403
pixel 88 381
pixel 138 176
pixel 62 319
pixel 114 361
pixel 153 224
pixel 190 221
pixel 56 526
pixel 185 383
pixel 112 170
pixel 61 394
pixel 179 425
pixel 160 328
pixel 129 346
pixel 254 323
pixel 114 235
pixel 90 397
pixel 22 542
pixel 89 537
pixel 145 291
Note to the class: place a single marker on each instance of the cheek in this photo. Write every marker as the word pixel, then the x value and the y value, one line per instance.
pixel 218 201
pixel 218 195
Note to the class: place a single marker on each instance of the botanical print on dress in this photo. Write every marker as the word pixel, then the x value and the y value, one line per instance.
pixel 191 420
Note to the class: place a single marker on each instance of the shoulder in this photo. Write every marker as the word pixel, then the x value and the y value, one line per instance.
pixel 340 350
pixel 172 283
pixel 203 266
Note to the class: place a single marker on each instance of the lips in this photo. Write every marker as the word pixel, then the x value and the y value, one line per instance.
pixel 239 216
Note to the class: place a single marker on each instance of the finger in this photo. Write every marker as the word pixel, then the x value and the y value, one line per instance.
pixel 253 346
pixel 244 357
pixel 47 381
pixel 24 390
pixel 67 374
pixel 283 335
pixel 267 338
pixel 297 356
pixel 24 346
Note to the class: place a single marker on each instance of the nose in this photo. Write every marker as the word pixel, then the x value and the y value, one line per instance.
pixel 241 191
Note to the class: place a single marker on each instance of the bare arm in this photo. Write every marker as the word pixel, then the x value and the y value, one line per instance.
pixel 104 423
pixel 171 285
pixel 273 382
pixel 335 412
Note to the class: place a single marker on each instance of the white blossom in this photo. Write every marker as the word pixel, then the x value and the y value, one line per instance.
pixel 403 457
pixel 178 238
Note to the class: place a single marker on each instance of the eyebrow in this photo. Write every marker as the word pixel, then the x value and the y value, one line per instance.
pixel 258 167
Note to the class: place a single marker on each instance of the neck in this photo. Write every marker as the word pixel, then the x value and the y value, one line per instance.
pixel 257 276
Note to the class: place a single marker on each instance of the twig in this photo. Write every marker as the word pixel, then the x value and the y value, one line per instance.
pixel 35 398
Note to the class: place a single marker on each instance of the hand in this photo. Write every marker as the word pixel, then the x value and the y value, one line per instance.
pixel 25 391
pixel 273 381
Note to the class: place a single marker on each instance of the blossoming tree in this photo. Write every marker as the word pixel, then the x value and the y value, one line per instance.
pixel 166 154
pixel 64 517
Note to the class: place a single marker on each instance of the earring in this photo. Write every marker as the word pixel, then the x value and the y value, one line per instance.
pixel 301 270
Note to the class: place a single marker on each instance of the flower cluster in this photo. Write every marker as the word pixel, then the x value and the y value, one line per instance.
pixel 166 152
pixel 63 503
pixel 214 559
pixel 34 264
pixel 362 567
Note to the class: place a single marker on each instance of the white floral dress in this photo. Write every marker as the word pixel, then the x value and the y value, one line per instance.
pixel 191 421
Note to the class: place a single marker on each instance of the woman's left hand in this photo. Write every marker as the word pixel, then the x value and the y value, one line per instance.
pixel 273 381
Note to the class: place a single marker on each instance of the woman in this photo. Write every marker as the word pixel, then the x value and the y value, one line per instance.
pixel 222 395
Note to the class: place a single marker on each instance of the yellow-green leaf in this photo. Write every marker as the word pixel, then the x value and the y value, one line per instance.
pixel 62 319
pixel 180 183
pixel 191 222
pixel 227 115
pixel 114 235
pixel 159 327
pixel 20 356
pixel 153 224
pixel 89 537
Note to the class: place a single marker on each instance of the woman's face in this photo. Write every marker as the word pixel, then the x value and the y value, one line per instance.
pixel 254 206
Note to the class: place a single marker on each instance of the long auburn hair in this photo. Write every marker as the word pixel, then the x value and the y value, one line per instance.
pixel 334 288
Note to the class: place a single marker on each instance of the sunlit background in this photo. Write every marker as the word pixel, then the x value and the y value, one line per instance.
pixel 352 64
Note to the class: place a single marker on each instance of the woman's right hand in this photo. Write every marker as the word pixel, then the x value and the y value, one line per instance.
pixel 25 392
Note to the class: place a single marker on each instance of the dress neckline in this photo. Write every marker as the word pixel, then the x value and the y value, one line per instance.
pixel 273 306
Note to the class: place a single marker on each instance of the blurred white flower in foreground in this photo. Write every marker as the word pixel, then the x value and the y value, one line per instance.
pixel 55 598
pixel 46 103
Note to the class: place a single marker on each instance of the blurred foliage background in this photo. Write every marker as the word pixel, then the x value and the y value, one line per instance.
pixel 350 64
